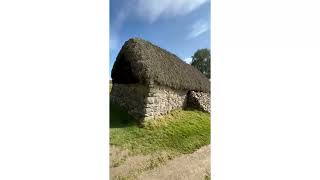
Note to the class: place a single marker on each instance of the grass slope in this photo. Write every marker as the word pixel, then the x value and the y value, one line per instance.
pixel 179 132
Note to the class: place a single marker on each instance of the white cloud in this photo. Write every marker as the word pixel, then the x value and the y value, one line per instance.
pixel 154 9
pixel 150 10
pixel 198 28
pixel 188 60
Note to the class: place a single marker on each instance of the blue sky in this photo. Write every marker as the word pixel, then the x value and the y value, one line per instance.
pixel 179 26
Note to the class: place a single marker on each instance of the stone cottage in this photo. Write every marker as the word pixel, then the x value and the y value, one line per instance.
pixel 148 82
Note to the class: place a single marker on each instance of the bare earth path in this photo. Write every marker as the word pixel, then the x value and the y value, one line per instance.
pixel 193 166
pixel 188 167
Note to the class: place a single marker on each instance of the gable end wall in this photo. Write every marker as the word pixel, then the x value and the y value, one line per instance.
pixel 130 97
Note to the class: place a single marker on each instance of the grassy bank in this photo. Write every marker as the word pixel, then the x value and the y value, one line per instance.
pixel 179 132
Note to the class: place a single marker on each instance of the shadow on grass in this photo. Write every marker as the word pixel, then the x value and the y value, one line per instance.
pixel 120 118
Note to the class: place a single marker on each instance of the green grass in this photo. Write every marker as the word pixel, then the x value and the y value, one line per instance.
pixel 179 132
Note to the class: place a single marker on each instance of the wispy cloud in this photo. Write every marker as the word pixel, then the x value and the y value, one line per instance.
pixel 198 28
pixel 150 10
pixel 188 60
pixel 154 9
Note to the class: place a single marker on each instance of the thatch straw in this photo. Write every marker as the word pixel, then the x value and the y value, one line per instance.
pixel 139 61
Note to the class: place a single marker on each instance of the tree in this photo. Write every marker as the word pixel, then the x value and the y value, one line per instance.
pixel 201 61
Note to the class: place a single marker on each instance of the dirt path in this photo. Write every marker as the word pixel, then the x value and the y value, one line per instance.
pixel 125 166
pixel 187 167
pixel 195 166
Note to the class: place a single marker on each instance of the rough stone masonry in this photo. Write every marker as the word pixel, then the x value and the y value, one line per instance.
pixel 149 82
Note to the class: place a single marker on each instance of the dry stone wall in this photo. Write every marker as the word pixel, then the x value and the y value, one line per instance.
pixel 130 97
pixel 161 100
pixel 147 102
pixel 199 100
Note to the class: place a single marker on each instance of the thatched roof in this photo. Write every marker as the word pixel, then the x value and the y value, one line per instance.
pixel 140 61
